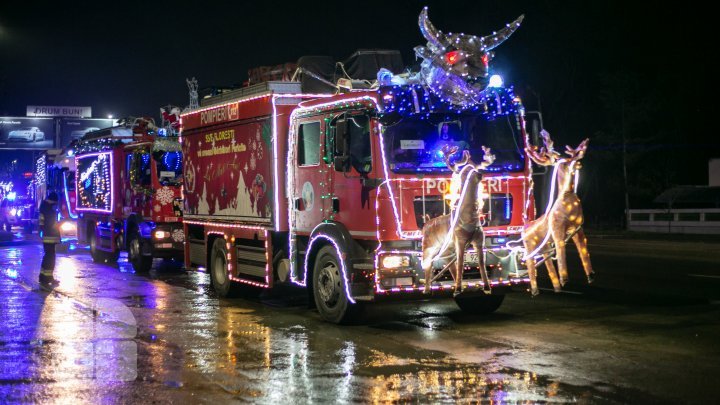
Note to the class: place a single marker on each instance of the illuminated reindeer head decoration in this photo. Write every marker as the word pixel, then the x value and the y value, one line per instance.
pixel 446 237
pixel 563 217
pixel 455 66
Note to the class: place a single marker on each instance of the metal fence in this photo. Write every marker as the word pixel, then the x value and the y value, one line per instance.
pixel 691 221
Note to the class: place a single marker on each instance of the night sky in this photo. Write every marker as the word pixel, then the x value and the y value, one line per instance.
pixel 590 63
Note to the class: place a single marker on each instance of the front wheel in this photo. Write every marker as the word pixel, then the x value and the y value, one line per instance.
pixel 219 276
pixel 141 264
pixel 331 297
pixel 480 304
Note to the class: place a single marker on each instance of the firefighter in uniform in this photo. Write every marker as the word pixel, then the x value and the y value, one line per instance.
pixel 50 232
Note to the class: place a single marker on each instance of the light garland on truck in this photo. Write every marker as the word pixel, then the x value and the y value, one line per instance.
pixel 276 182
pixel 102 179
pixel 41 170
pixel 416 100
pixel 67 198
pixel 340 258
pixel 96 145
pixel 341 104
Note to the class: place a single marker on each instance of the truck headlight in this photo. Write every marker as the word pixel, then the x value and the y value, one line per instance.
pixel 68 226
pixel 161 234
pixel 395 261
pixel 13 212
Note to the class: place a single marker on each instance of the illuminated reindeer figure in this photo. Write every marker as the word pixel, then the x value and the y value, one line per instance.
pixel 562 219
pixel 446 237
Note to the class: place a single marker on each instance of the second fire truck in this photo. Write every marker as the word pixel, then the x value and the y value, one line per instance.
pixel 129 192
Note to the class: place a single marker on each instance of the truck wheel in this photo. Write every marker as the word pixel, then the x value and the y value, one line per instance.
pixel 329 289
pixel 480 304
pixel 219 277
pixel 97 255
pixel 141 264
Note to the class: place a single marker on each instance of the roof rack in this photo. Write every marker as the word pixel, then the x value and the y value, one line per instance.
pixel 274 87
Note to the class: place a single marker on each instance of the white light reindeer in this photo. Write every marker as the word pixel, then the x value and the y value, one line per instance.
pixel 446 237
pixel 563 218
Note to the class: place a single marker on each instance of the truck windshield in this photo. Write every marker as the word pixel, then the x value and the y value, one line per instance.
pixel 415 145
pixel 169 167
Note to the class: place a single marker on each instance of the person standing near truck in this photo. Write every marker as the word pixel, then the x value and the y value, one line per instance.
pixel 50 233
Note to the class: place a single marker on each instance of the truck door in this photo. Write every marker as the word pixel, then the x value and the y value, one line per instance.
pixel 352 200
pixel 310 180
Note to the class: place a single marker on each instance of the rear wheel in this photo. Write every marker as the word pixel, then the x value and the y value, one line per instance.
pixel 480 304
pixel 331 298
pixel 219 277
pixel 141 264
pixel 97 255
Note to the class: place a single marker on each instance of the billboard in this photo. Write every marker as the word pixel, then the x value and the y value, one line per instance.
pixel 93 180
pixel 58 111
pixel 76 128
pixel 27 133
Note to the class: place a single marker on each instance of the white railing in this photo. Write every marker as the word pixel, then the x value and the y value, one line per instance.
pixel 702 221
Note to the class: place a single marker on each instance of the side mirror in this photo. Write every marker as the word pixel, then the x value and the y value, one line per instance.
pixel 340 163
pixel 341 141
pixel 534 125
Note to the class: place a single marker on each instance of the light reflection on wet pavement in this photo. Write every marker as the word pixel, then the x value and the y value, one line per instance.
pixel 108 335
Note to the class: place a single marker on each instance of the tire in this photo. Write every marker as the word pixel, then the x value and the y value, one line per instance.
pixel 480 304
pixel 329 289
pixel 141 264
pixel 97 255
pixel 219 277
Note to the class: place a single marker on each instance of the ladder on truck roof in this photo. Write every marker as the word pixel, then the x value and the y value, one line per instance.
pixel 250 91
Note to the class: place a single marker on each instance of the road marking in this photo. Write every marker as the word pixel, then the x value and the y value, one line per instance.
pixel 562 291
pixel 703 276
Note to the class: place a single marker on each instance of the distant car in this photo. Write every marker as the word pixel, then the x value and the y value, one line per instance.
pixel 79 133
pixel 29 134
pixel 17 212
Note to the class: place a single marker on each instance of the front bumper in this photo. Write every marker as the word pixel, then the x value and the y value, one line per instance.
pixel 504 267
pixel 167 241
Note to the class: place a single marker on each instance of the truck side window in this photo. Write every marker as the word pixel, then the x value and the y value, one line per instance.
pixel 359 142
pixel 309 144
pixel 139 169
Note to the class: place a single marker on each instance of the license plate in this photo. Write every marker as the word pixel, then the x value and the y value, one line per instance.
pixel 164 245
pixel 471 258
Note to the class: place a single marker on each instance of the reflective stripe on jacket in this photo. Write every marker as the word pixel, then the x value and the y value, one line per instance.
pixel 48 222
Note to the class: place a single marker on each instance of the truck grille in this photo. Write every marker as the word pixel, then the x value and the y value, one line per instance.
pixel 497 209
pixel 429 208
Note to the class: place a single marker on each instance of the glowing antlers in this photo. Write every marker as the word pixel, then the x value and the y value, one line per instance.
pixel 488 159
pixel 448 151
pixel 579 152
pixel 546 156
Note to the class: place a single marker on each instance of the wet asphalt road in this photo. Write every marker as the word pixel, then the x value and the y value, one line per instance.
pixel 646 332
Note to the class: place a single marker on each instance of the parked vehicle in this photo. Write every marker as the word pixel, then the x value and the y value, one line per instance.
pixel 128 181
pixel 29 134
pixel 17 212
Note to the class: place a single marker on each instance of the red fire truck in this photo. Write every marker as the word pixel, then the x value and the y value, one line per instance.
pixel 331 192
pixel 129 193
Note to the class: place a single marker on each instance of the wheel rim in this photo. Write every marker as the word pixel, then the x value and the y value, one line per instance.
pixel 219 269
pixel 329 284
